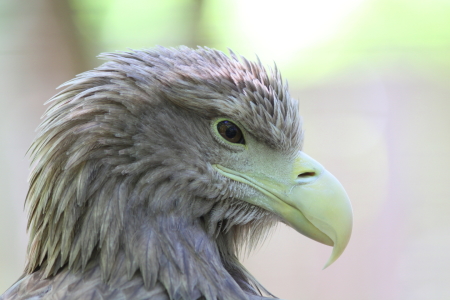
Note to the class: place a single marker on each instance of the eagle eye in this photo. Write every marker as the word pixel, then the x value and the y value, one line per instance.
pixel 229 131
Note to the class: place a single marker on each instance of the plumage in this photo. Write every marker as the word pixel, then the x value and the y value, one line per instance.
pixel 133 193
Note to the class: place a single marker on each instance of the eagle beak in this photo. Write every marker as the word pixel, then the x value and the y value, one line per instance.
pixel 309 199
pixel 324 204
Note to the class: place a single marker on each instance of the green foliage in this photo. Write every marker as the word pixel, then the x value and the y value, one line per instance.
pixel 383 31
pixel 376 31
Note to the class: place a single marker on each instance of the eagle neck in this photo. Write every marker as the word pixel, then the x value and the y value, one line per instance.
pixel 179 254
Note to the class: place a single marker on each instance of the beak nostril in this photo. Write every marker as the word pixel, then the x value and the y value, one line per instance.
pixel 306 174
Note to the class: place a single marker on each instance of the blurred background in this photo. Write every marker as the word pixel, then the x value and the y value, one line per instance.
pixel 373 80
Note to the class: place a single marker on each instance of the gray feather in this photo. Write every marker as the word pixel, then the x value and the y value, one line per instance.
pixel 123 200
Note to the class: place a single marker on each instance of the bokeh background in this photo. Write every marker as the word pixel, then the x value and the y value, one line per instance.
pixel 373 80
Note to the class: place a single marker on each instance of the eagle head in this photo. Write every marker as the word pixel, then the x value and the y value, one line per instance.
pixel 162 164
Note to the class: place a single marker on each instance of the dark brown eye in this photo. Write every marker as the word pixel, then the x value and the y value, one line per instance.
pixel 229 131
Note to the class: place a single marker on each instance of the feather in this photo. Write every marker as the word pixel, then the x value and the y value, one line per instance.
pixel 124 202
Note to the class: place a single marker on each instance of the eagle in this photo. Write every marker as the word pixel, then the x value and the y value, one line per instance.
pixel 152 172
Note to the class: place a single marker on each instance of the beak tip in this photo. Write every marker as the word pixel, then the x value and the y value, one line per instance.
pixel 338 249
pixel 329 262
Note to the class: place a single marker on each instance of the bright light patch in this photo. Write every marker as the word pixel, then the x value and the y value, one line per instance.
pixel 279 29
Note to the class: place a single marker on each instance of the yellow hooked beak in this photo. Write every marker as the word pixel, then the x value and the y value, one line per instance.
pixel 305 196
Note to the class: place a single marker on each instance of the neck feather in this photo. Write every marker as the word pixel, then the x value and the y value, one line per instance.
pixel 180 255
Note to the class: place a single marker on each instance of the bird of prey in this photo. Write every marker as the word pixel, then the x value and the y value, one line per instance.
pixel 152 171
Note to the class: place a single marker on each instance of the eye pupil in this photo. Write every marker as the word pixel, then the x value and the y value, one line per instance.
pixel 231 132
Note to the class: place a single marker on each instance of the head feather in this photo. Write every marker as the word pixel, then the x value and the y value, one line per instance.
pixel 121 154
